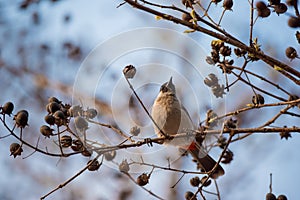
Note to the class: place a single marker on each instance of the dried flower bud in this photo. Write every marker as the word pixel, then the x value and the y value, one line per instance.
pixel 205 183
pixel 46 131
pixel 77 145
pixel 124 166
pixel 91 113
pixel 258 99
pixel 291 53
pixel 66 141
pixel 49 119
pixel 227 4
pixel 21 118
pixel 81 123
pixel 129 71
pixel 280 8
pixel 110 155
pixel 142 179
pixel 135 131
pixel 282 197
pixel 294 22
pixel 94 165
pixel 52 107
pixel 15 149
pixel 7 108
pixel 217 44
pixel 270 196
pixel 195 181
pixel 54 99
pixel 189 196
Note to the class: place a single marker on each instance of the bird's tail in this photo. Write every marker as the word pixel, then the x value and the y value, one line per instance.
pixel 205 162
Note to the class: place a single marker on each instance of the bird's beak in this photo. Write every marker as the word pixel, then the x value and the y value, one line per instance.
pixel 169 82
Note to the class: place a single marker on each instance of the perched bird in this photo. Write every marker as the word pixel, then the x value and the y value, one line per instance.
pixel 172 118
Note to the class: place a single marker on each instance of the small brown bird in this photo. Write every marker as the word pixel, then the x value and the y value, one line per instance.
pixel 172 118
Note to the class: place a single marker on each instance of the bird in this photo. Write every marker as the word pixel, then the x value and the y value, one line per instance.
pixel 171 118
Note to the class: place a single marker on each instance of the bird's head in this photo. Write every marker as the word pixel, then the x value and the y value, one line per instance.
pixel 168 87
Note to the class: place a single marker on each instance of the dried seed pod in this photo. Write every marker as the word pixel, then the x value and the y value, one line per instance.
pixel 129 71
pixel 230 123
pixel 52 107
pixel 211 80
pixel 124 166
pixel 46 131
pixel 239 52
pixel 54 99
pixel 86 153
pixel 222 141
pixel 7 108
pixel 291 2
pixel 81 123
pixel 77 145
pixel 66 141
pixel 218 90
pixel 186 17
pixel 264 13
pixel 210 118
pixel 225 51
pixel 109 156
pixel 285 134
pixel 59 118
pixel 90 113
pixel 258 99
pixel 216 1
pixel 49 119
pixel 94 165
pixel 15 149
pixel 142 179
pixel 260 5
pixel 270 196
pixel 187 3
pixel 282 197
pixel 291 53
pixel 205 183
pixel 274 2
pixel 298 36
pixel 75 111
pixel 227 4
pixel 227 157
pixel 135 130
pixel 21 118
pixel 294 22
pixel 189 196
pixel 195 181
pixel 280 8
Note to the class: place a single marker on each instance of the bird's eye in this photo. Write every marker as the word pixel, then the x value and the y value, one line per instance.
pixel 163 88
